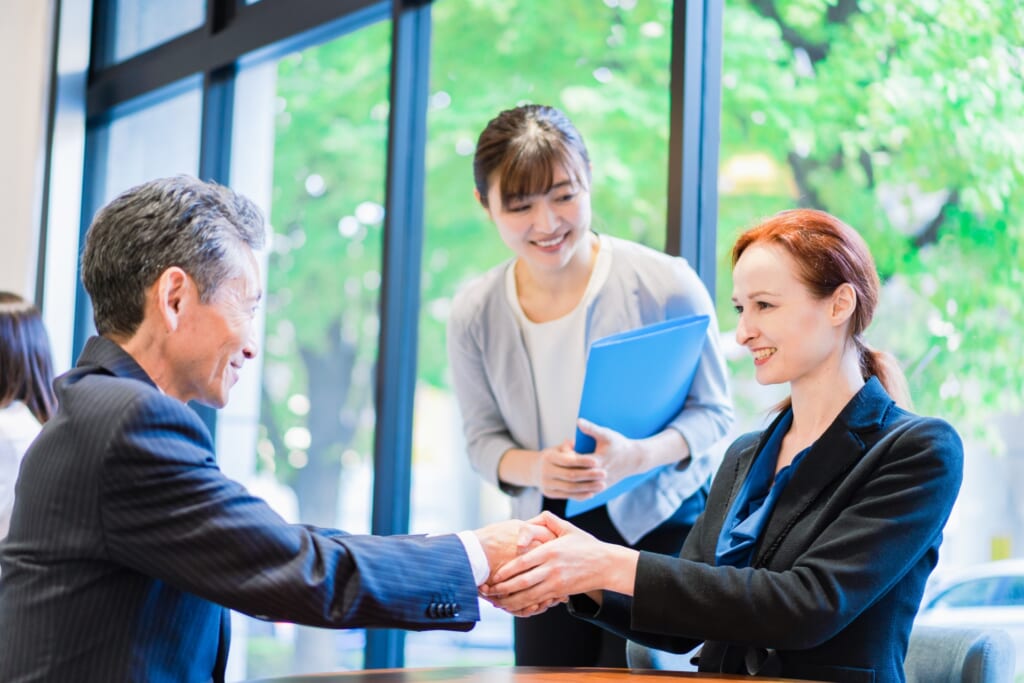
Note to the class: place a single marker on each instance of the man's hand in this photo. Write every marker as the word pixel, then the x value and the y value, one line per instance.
pixel 503 541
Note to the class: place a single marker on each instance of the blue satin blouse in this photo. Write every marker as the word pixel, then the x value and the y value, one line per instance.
pixel 753 507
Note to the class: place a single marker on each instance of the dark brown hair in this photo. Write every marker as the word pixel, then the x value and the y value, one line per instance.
pixel 524 147
pixel 828 253
pixel 26 365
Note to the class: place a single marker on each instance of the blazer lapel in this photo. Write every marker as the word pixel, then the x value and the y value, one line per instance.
pixel 746 459
pixel 718 511
pixel 837 451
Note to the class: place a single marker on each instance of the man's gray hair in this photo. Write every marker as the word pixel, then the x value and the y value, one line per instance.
pixel 179 221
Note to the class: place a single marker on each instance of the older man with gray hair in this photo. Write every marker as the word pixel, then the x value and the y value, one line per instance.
pixel 127 542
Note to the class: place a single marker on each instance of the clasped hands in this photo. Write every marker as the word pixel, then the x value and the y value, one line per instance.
pixel 561 473
pixel 539 563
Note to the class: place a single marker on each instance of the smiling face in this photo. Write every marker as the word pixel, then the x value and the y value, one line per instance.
pixel 544 230
pixel 217 337
pixel 791 334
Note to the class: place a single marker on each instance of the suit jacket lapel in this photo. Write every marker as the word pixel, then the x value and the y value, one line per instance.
pixel 837 451
pixel 746 459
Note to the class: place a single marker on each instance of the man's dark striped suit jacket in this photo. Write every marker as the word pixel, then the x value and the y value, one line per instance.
pixel 127 542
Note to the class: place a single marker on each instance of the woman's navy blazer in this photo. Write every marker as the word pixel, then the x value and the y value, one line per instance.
pixel 839 572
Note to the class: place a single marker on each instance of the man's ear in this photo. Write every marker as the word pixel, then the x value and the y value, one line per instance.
pixel 844 303
pixel 173 292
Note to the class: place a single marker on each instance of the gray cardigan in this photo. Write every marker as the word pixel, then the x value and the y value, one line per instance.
pixel 493 379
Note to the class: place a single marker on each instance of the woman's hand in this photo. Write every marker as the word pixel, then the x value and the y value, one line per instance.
pixel 619 455
pixel 529 611
pixel 562 473
pixel 574 562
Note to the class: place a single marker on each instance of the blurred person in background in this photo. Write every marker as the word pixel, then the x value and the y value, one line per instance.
pixel 26 390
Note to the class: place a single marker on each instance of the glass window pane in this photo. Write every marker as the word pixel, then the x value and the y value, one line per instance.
pixel 610 74
pixel 970 593
pixel 310 144
pixel 906 123
pixel 151 139
pixel 1011 593
pixel 138 25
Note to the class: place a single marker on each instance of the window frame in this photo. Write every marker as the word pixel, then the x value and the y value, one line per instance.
pixel 87 96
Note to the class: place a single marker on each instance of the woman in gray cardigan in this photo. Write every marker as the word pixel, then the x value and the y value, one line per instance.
pixel 517 343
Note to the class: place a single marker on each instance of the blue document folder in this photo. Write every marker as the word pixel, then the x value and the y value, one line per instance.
pixel 636 382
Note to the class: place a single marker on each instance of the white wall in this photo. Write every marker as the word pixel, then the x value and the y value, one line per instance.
pixel 25 48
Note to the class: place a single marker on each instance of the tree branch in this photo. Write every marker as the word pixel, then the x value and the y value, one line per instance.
pixel 816 52
pixel 930 233
pixel 841 11
pixel 808 197
pixel 869 168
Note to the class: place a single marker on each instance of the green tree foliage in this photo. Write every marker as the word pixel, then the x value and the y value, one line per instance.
pixel 903 118
pixel 605 64
pixel 610 74
pixel 324 270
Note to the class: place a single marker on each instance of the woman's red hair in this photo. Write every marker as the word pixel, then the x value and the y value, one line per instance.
pixel 828 253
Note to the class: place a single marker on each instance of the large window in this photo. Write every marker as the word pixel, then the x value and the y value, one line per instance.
pixel 134 26
pixel 903 118
pixel 327 106
pixel 154 136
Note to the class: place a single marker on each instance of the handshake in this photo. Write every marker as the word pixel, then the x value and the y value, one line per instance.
pixel 539 563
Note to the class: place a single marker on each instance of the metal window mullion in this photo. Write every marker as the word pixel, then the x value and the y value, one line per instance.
pixel 399 304
pixel 104 34
pixel 695 95
pixel 93 184
pixel 232 31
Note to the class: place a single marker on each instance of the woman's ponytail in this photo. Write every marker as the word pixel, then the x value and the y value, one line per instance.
pixel 886 368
